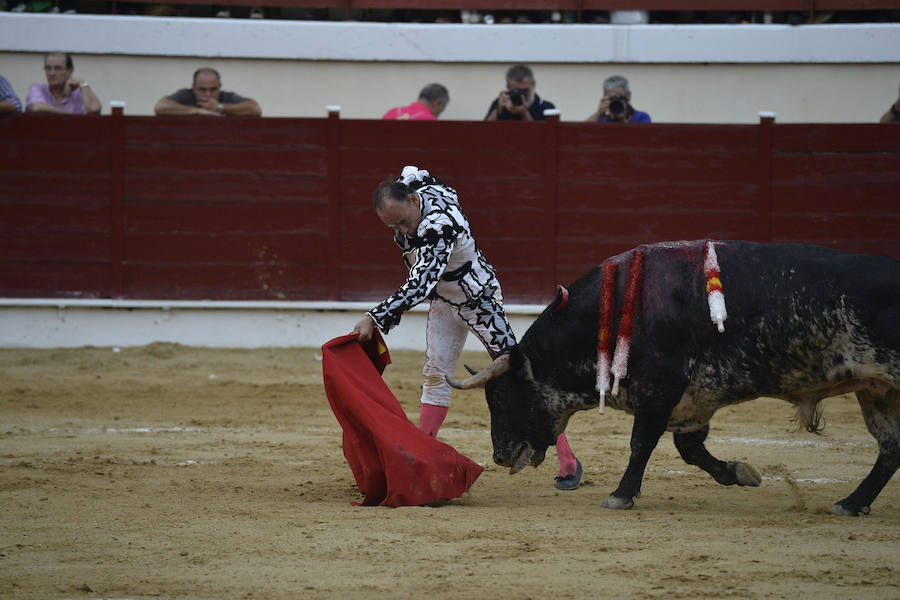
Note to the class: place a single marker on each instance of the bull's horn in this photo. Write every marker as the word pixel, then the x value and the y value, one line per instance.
pixel 498 367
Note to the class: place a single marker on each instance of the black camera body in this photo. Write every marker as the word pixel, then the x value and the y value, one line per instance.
pixel 516 96
pixel 618 105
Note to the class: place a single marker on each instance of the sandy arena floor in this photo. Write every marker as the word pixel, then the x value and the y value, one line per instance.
pixel 173 472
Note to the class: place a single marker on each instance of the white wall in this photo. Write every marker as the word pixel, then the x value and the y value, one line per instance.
pixel 699 74
pixel 28 323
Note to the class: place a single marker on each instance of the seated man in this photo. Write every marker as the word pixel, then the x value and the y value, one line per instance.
pixel 9 102
pixel 63 93
pixel 433 99
pixel 207 98
pixel 518 102
pixel 615 105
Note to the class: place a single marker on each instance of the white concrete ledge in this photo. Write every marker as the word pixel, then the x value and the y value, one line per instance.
pixel 411 42
pixel 68 323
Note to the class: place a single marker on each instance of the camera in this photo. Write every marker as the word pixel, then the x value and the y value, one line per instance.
pixel 516 95
pixel 618 105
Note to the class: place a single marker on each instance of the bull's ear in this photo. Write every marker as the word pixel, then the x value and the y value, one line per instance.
pixel 562 298
pixel 527 374
pixel 520 365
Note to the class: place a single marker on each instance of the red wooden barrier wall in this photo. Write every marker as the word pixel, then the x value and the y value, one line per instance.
pixel 190 208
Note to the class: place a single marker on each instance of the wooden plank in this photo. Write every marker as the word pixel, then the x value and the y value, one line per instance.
pixel 843 138
pixel 660 165
pixel 475 194
pixel 817 228
pixel 371 283
pixel 223 159
pixel 373 165
pixel 36 128
pixel 53 279
pixel 843 168
pixel 29 247
pixel 116 129
pixel 70 217
pixel 550 205
pixel 491 221
pixel 837 198
pixel 422 135
pixel 369 252
pixel 292 133
pixel 252 188
pixel 654 195
pixel 686 225
pixel 376 253
pixel 53 187
pixel 764 178
pixel 82 156
pixel 507 221
pixel 231 281
pixel 335 200
pixel 886 247
pixel 200 249
pixel 223 218
pixel 686 139
pixel 524 286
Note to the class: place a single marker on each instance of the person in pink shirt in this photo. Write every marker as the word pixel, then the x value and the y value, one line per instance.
pixel 433 99
pixel 63 93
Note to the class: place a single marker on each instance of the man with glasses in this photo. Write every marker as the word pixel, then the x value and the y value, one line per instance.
pixel 207 98
pixel 63 93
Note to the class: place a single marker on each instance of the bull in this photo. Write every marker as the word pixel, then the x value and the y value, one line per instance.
pixel 802 323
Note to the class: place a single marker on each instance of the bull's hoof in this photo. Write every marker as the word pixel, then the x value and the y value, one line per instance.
pixel 844 511
pixel 745 474
pixel 616 503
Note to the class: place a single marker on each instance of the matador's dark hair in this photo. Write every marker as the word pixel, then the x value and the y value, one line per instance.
pixel 390 190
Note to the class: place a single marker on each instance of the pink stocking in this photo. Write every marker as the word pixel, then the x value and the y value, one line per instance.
pixel 431 417
pixel 567 464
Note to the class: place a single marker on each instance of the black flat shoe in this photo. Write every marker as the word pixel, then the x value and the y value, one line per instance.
pixel 570 482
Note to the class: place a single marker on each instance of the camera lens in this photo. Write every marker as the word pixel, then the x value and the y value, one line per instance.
pixel 515 96
pixel 618 105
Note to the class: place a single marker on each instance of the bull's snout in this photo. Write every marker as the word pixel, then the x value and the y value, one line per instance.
pixel 516 459
pixel 501 459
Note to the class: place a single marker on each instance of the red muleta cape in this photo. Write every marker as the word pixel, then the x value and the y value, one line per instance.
pixel 394 463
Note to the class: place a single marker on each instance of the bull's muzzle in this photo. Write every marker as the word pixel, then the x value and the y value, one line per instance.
pixel 516 460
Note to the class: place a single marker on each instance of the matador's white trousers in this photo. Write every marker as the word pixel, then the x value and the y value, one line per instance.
pixel 445 336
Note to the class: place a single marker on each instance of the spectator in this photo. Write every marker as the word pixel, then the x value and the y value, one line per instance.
pixel 893 113
pixel 518 102
pixel 615 105
pixel 63 93
pixel 207 98
pixel 9 102
pixel 433 99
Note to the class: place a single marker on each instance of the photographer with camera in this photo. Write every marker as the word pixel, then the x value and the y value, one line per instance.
pixel 518 102
pixel 615 105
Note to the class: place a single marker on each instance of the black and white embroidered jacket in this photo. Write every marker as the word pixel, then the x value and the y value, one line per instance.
pixel 443 259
